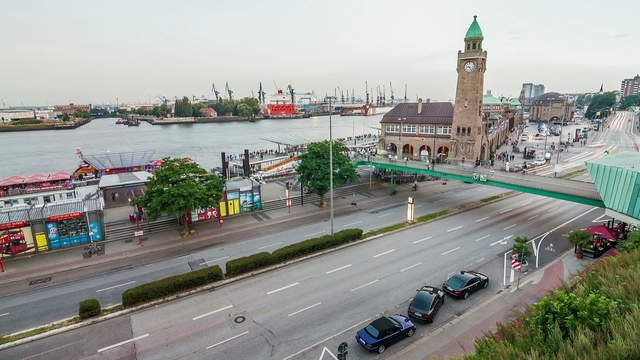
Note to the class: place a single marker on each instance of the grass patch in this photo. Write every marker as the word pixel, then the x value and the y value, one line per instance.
pixel 497 197
pixel 573 173
pixel 40 330
pixel 385 229
pixel 397 226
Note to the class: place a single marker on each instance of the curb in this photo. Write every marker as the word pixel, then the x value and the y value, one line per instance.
pixel 451 212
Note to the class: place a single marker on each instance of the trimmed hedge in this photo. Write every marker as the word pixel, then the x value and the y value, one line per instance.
pixel 171 285
pixel 249 263
pixel 89 308
pixel 261 260
pixel 310 246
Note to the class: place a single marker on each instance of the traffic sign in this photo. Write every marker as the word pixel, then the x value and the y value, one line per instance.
pixel 515 264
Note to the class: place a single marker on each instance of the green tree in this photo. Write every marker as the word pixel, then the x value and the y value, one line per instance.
pixel 79 113
pixel 225 107
pixel 178 187
pixel 601 103
pixel 521 248
pixel 183 108
pixel 65 117
pixel 252 103
pixel 627 101
pixel 244 110
pixel 314 167
pixel 579 239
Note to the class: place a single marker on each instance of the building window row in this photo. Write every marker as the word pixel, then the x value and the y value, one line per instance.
pixel 419 129
pixel 463 131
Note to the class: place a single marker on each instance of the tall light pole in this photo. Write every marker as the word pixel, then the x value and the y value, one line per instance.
pixel 330 166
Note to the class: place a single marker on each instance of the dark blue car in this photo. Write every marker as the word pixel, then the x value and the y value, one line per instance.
pixel 385 331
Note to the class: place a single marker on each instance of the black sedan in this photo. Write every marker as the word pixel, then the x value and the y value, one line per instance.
pixel 426 303
pixel 463 284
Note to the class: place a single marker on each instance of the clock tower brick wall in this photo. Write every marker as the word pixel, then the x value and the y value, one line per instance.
pixel 467 111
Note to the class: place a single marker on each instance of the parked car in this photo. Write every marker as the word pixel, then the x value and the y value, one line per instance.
pixel 426 303
pixel 384 331
pixel 466 282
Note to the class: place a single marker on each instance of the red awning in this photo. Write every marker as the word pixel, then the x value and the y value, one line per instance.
pixel 603 231
pixel 35 178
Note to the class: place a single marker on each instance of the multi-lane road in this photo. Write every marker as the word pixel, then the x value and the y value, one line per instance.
pixel 294 312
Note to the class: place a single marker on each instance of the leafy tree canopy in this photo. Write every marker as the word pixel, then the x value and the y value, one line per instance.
pixel 178 187
pixel 601 103
pixel 627 101
pixel 314 167
pixel 521 248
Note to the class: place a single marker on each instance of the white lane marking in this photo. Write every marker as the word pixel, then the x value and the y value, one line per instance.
pixel 510 227
pixel 533 217
pixel 423 239
pixel 270 245
pixel 338 269
pixel 505 210
pixel 307 308
pixel 214 260
pixel 283 288
pixel 115 286
pixel 229 339
pixel 314 234
pixel 213 312
pixel 482 219
pixel 410 267
pixel 353 223
pixel 5 314
pixel 455 228
pixel 503 241
pixel 383 215
pixel 480 260
pixel 384 253
pixel 482 238
pixel 450 251
pixel 122 343
pixel 327 339
pixel 365 285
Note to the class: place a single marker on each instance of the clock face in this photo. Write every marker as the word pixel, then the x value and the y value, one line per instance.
pixel 469 66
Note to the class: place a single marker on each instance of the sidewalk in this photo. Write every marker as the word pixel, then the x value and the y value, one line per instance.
pixel 457 336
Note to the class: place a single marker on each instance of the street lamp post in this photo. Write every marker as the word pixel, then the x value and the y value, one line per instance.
pixel 555 172
pixel 330 167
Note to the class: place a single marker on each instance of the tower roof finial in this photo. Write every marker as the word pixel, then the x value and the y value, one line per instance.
pixel 474 31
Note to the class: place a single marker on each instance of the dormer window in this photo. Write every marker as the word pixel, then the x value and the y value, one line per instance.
pixel 474 46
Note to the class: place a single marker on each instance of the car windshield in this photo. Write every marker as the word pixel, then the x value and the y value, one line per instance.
pixel 422 301
pixel 457 281
pixel 372 331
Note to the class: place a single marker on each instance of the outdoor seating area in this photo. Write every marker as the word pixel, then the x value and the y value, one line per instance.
pixel 604 237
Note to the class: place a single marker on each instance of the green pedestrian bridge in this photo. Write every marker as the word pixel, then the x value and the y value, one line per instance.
pixel 616 185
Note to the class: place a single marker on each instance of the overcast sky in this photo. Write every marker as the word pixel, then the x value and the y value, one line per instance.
pixel 87 51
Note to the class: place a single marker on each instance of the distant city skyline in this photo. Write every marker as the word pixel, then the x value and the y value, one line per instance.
pixel 94 52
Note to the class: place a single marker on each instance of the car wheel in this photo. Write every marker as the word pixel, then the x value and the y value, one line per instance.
pixel 486 283
pixel 466 295
pixel 410 332
pixel 381 349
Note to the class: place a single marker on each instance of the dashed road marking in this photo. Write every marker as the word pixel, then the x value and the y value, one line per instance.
pixel 365 285
pixel 455 228
pixel 510 227
pixel 338 269
pixel 229 339
pixel 213 312
pixel 116 286
pixel 384 253
pixel 410 267
pixel 450 251
pixel 307 308
pixel 283 288
pixel 482 238
pixel 122 343
pixel 482 219
pixel 423 239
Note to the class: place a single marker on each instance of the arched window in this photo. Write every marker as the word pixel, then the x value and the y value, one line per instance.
pixel 468 46
pixel 469 131
pixel 474 46
pixel 464 131
pixel 458 130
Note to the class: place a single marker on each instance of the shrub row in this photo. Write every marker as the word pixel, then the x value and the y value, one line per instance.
pixel 249 263
pixel 253 262
pixel 170 285
pixel 89 308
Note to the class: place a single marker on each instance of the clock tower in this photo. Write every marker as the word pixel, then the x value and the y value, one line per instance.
pixel 468 137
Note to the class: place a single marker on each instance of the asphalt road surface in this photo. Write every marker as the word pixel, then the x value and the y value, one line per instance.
pixel 294 312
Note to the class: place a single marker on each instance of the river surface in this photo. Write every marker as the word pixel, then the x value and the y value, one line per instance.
pixel 30 152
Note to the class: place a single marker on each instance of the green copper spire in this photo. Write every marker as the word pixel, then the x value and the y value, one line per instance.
pixel 474 31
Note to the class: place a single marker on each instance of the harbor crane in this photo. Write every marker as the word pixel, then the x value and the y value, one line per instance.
pixel 261 94
pixel 163 99
pixel 292 93
pixel 366 91
pixel 405 92
pixel 216 93
pixel 229 91
pixel 391 89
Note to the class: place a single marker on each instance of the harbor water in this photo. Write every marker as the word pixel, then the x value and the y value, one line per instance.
pixel 30 152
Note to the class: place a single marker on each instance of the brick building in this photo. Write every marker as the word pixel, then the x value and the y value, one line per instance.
pixel 551 107
pixel 630 86
pixel 71 108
